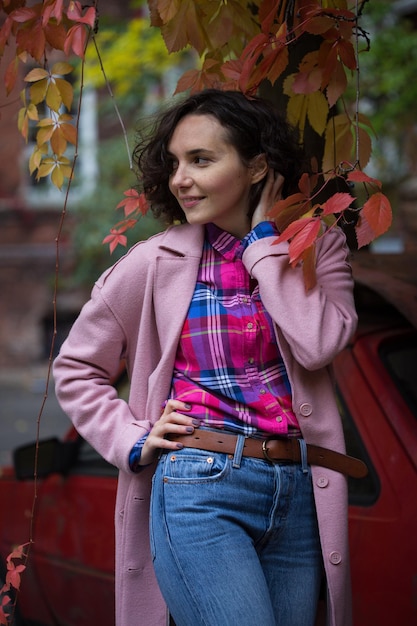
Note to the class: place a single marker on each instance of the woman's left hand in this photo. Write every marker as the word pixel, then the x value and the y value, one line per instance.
pixel 270 194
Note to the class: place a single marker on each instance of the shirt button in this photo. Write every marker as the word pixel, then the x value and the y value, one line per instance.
pixel 262 392
pixel 278 418
pixel 251 361
pixel 335 558
pixel 306 409
pixel 322 482
pixel 249 326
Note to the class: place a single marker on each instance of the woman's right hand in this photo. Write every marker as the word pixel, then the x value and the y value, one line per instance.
pixel 172 421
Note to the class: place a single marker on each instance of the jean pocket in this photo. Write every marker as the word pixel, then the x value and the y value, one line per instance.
pixel 195 466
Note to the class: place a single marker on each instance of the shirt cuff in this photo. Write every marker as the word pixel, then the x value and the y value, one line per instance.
pixel 261 230
pixel 135 454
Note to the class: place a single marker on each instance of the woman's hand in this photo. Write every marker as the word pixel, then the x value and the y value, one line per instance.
pixel 171 421
pixel 270 194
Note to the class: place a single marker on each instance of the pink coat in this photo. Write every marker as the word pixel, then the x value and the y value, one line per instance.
pixel 136 313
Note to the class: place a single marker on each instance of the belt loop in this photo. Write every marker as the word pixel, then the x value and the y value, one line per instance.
pixel 237 457
pixel 303 450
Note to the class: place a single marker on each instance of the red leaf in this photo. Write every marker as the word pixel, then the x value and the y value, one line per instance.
pixel 55 9
pixel 304 239
pixel 337 203
pixel 134 202
pixel 364 233
pixel 75 14
pixel 13 576
pixel 357 176
pixel 114 239
pixel 76 41
pixel 24 14
pixel 378 212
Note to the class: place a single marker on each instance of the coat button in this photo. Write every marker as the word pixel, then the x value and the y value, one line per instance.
pixel 306 409
pixel 335 558
pixel 322 481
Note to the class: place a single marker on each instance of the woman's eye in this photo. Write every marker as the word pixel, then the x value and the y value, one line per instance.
pixel 201 161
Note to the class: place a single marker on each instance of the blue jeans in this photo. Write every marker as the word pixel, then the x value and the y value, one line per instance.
pixel 235 540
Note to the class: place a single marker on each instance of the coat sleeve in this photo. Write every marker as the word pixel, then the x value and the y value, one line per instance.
pixel 317 324
pixel 84 372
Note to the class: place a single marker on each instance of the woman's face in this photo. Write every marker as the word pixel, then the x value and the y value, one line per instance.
pixel 208 178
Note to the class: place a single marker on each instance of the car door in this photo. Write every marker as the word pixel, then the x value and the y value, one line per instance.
pixel 381 428
pixel 73 559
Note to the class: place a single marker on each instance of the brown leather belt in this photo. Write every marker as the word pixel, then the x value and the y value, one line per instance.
pixel 273 450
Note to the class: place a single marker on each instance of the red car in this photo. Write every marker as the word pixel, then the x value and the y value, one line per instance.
pixel 69 579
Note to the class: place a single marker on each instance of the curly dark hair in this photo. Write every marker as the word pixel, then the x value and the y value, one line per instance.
pixel 253 127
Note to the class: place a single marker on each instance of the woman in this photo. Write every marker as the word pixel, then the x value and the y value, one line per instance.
pixel 231 393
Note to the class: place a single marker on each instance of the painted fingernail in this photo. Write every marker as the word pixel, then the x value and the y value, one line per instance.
pixel 196 422
pixel 189 429
pixel 179 446
pixel 187 406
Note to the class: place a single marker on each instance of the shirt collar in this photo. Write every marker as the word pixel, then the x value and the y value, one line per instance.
pixel 226 244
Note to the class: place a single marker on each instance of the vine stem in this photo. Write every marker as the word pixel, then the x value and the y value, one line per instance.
pixel 116 108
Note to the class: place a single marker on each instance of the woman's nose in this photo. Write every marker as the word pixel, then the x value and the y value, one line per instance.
pixel 180 177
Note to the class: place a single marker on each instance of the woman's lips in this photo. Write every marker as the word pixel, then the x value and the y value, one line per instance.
pixel 188 202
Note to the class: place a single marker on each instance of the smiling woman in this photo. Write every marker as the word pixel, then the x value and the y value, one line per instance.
pixel 231 428
pixel 208 178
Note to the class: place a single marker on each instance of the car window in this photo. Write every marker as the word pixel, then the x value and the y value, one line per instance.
pixel 400 359
pixel 362 491
pixel 90 462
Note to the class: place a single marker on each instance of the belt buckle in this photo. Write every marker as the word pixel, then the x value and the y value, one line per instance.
pixel 265 449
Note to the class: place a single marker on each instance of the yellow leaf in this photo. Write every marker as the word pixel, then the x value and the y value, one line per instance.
pixel 35 160
pixel 297 112
pixel 23 123
pixel 53 97
pixel 45 167
pixel 57 177
pixel 61 69
pixel 66 91
pixel 32 112
pixel 43 135
pixel 317 111
pixel 37 91
pixel 37 74
pixel 338 142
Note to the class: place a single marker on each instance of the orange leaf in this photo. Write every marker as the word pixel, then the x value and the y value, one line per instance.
pixel 309 267
pixel 185 28
pixel 10 76
pixel 347 54
pixel 378 212
pixel 32 40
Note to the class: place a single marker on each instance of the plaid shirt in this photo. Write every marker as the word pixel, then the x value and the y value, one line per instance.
pixel 228 365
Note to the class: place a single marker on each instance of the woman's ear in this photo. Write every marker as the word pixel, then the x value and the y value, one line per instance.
pixel 259 168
